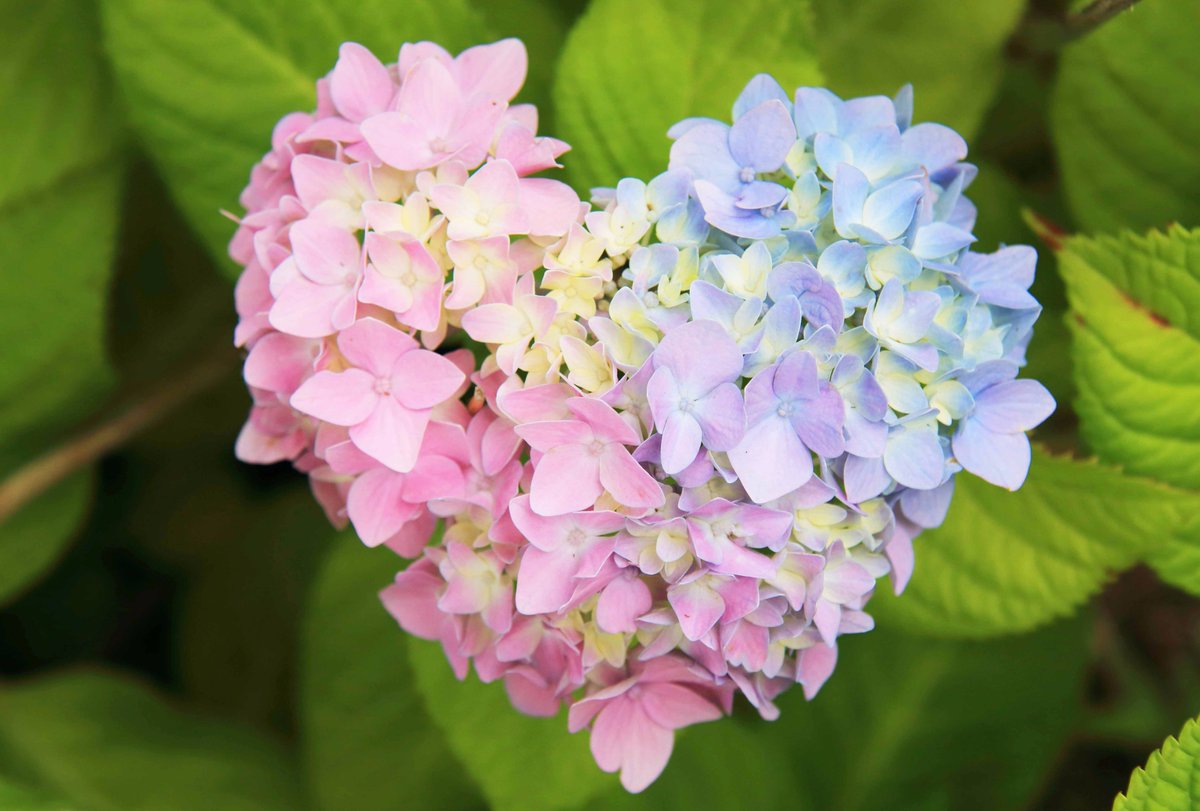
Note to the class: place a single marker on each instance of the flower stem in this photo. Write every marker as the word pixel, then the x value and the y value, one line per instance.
pixel 1094 15
pixel 43 472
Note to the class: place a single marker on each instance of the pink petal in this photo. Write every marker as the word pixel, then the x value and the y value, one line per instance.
pixel 550 207
pixel 306 309
pixel 342 398
pixel 325 254
pixel 627 481
pixel 565 480
pixel 697 606
pixel 624 737
pixel 674 706
pixel 621 603
pixel 375 505
pixel 423 379
pixel 373 345
pixel 392 434
pixel 545 581
pixel 359 85
pixel 548 435
pixel 279 363
pixel 495 71
pixel 494 323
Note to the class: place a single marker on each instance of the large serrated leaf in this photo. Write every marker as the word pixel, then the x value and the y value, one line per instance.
pixel 1126 122
pixel 632 68
pixel 951 52
pixel 1135 302
pixel 205 81
pixel 58 211
pixel 1171 779
pixel 1006 562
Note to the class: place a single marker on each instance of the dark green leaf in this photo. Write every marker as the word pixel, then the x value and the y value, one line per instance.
pixel 912 723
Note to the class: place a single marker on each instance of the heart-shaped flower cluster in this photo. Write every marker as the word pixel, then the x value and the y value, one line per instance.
pixel 710 414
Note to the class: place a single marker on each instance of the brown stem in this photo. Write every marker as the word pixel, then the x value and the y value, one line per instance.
pixel 1093 16
pixel 43 472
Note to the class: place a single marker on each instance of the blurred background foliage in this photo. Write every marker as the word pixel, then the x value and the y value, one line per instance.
pixel 180 631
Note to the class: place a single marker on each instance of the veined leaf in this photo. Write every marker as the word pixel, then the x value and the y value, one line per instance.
pixel 206 81
pixel 1135 303
pixel 1125 123
pixel 1171 779
pixel 951 52
pixel 58 209
pixel 632 68
pixel 1006 562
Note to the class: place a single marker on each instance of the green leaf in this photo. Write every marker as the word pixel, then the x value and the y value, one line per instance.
pixel 36 535
pixel 1006 562
pixel 951 52
pixel 632 68
pixel 521 763
pixel 701 775
pixel 58 113
pixel 368 743
pixel 240 616
pixel 205 81
pixel 913 723
pixel 106 742
pixel 14 797
pixel 58 207
pixel 1125 120
pixel 1171 779
pixel 1177 558
pixel 1135 304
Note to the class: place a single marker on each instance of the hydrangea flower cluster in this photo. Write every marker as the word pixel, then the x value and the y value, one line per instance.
pixel 712 412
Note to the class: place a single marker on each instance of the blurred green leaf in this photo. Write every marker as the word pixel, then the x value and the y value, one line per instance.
pixel 58 113
pixel 911 723
pixel 632 68
pixel 58 209
pixel 241 615
pixel 701 773
pixel 1126 123
pixel 34 538
pixel 521 763
pixel 107 742
pixel 951 52
pixel 19 798
pixel 368 743
pixel 205 81
pixel 1135 304
pixel 1176 559
pixel 1006 562
pixel 1171 779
